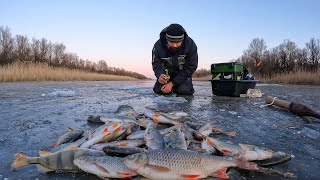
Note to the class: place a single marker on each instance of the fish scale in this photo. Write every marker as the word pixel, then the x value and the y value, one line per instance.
pixel 104 166
pixel 182 164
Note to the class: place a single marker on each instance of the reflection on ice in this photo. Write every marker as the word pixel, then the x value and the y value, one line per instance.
pixel 313 134
pixel 261 84
pixel 60 93
pixel 168 100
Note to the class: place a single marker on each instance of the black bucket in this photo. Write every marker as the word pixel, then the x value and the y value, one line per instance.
pixel 232 87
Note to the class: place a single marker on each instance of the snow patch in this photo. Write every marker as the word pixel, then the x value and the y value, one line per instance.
pixel 60 93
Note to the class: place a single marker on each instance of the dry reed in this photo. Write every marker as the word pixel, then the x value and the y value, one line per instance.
pixel 299 77
pixel 42 72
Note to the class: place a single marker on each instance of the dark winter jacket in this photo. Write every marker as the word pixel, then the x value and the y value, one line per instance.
pixel 180 64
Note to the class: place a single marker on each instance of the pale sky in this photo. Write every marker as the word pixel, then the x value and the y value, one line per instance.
pixel 123 32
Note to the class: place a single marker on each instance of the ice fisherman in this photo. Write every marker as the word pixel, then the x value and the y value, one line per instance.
pixel 174 60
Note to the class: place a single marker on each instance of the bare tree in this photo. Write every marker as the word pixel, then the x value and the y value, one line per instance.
pixel 254 54
pixel 6 46
pixel 58 54
pixel 313 51
pixel 23 50
pixel 287 55
pixel 302 59
pixel 43 50
pixel 102 66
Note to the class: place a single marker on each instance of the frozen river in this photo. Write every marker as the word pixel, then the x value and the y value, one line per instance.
pixel 33 115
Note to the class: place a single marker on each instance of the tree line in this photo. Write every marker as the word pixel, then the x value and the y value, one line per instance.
pixel 20 49
pixel 285 58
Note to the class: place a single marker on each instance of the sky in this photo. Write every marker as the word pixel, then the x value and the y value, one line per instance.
pixel 123 32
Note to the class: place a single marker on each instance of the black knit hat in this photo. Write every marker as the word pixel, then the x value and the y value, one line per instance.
pixel 175 33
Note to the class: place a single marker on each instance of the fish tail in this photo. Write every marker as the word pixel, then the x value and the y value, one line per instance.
pixel 244 164
pixel 231 133
pixel 20 161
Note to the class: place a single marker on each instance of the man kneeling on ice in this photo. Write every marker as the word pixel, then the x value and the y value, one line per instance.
pixel 174 60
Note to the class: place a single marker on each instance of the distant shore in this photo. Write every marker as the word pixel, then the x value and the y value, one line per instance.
pixel 21 72
pixel 24 72
pixel 298 78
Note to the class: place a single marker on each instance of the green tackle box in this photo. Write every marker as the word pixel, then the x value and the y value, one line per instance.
pixel 231 70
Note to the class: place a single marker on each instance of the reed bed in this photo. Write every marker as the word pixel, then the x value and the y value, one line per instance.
pixel 299 77
pixel 16 72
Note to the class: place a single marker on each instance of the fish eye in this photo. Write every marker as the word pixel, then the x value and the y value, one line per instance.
pixel 131 157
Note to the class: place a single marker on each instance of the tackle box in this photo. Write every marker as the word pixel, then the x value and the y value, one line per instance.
pixel 230 70
pixel 227 79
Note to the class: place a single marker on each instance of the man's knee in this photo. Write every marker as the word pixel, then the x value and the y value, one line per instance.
pixel 157 90
pixel 184 89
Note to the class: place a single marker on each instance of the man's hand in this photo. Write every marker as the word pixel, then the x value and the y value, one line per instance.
pixel 163 79
pixel 167 88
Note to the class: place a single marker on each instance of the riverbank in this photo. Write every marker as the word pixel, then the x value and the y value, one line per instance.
pixel 296 78
pixel 19 72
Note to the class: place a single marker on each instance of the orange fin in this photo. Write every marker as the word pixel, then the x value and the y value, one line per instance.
pixel 156 115
pixel 105 130
pixel 119 129
pixel 115 125
pixel 156 120
pixel 225 151
pixel 43 153
pixel 221 174
pixel 20 161
pixel 190 176
pixel 209 142
pixel 73 148
pixel 123 144
pixel 53 145
pixel 231 133
pixel 124 175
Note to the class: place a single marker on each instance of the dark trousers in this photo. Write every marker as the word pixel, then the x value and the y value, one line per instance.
pixel 185 88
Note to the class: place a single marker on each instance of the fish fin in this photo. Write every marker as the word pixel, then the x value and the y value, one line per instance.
pixel 43 169
pixel 209 142
pixel 70 129
pixel 221 173
pixel 124 175
pixel 20 161
pixel 44 153
pixel 156 120
pixel 158 168
pixel 231 133
pixel 225 151
pixel 73 148
pixel 218 129
pixel 101 168
pixel 247 147
pixel 244 164
pixel 156 115
pixel 89 134
pixel 123 144
pixel 142 122
pixel 53 144
pixel 115 126
pixel 105 130
pixel 190 176
pixel 119 129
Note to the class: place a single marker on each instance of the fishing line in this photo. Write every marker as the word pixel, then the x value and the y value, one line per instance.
pixel 262 106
